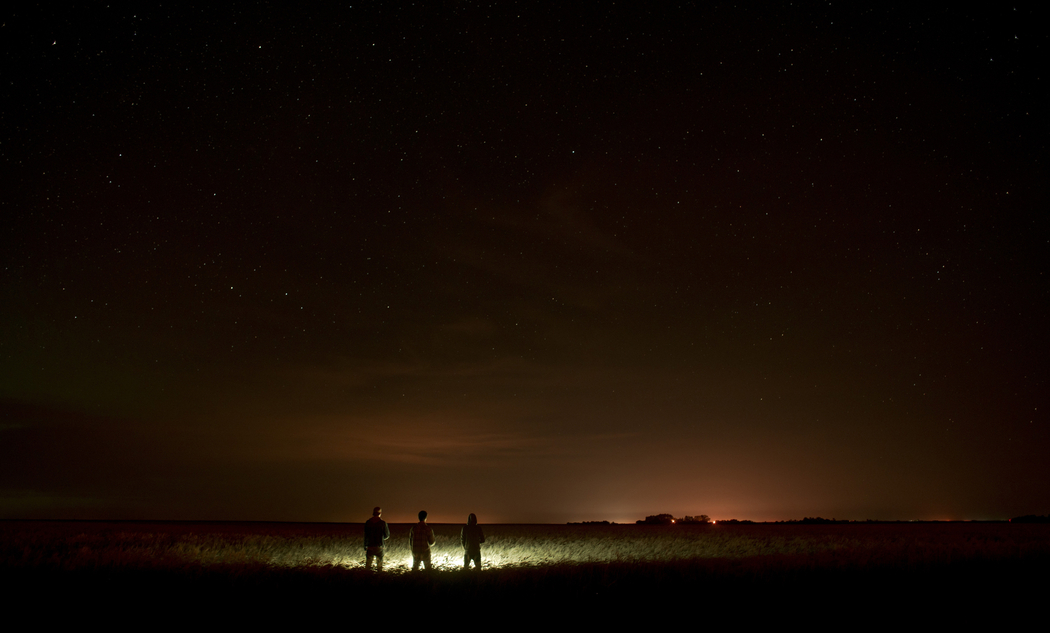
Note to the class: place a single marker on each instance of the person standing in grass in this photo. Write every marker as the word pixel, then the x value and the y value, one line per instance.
pixel 472 537
pixel 376 534
pixel 421 537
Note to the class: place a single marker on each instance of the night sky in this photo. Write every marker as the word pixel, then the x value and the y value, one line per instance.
pixel 539 264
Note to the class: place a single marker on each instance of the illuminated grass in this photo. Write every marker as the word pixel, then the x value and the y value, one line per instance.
pixel 71 545
pixel 257 570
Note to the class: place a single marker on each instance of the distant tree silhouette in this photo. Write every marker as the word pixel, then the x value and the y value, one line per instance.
pixel 658 519
pixel 667 519
pixel 1031 518
pixel 701 518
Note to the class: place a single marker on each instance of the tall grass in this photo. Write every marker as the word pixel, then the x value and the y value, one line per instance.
pixel 92 545
pixel 729 574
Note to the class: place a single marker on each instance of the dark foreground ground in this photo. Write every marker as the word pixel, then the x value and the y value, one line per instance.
pixel 1004 585
pixel 714 591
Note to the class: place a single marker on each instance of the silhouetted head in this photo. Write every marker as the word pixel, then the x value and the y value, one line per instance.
pixel 472 519
pixel 376 511
pixel 422 515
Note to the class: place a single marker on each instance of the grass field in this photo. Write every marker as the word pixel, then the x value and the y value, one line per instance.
pixel 878 568
pixel 128 545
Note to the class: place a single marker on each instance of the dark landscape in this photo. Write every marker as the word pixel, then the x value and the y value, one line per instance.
pixel 929 571
pixel 265 268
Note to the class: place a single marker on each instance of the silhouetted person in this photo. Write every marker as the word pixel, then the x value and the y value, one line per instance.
pixel 376 533
pixel 421 537
pixel 472 537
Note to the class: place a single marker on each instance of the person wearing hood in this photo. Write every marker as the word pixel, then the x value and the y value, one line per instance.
pixel 472 537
